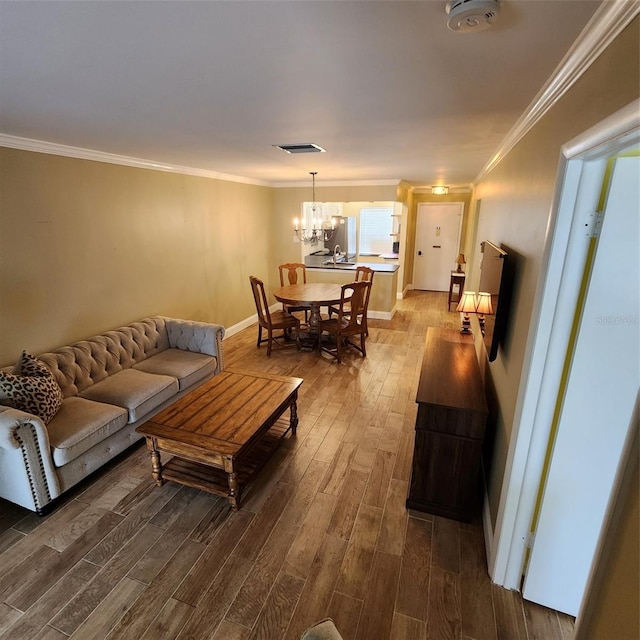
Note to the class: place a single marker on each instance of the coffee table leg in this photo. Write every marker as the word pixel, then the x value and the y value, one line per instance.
pixel 293 419
pixel 232 477
pixel 233 490
pixel 156 463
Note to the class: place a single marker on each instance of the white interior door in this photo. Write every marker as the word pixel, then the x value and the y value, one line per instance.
pixel 603 380
pixel 437 243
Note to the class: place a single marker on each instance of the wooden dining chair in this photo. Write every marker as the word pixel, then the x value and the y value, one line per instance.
pixel 351 320
pixel 290 273
pixel 278 320
pixel 363 274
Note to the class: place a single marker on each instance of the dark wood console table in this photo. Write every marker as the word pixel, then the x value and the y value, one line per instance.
pixel 452 414
pixel 456 280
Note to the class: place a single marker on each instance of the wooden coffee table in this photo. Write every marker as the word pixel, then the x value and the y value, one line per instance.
pixel 221 433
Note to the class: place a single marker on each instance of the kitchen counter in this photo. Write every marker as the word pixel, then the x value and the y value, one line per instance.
pixel 379 267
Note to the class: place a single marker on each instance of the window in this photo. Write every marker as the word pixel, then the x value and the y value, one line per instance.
pixel 376 227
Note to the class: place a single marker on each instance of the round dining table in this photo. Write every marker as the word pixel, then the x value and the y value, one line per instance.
pixel 311 294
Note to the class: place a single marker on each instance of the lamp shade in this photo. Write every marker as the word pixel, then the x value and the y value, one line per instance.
pixel 467 302
pixel 460 259
pixel 484 303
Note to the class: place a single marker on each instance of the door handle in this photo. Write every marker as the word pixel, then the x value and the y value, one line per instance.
pixel 419 253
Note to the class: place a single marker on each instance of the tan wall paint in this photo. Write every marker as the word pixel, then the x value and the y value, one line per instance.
pixel 405 272
pixel 87 246
pixel 615 612
pixel 516 200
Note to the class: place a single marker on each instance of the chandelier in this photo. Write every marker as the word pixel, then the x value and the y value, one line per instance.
pixel 314 227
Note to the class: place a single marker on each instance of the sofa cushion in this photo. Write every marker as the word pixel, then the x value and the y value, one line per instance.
pixel 31 388
pixel 80 424
pixel 78 366
pixel 137 391
pixel 187 366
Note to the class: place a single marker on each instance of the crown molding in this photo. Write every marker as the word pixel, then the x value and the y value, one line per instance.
pixel 340 183
pixel 452 190
pixel 53 148
pixel 609 20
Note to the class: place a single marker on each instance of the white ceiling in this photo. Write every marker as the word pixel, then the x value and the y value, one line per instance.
pixel 383 86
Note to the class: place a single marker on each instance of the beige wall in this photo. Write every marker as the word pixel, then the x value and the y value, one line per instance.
pixel 87 246
pixel 614 609
pixel 515 205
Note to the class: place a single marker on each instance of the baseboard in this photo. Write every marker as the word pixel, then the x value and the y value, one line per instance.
pixel 243 324
pixel 247 322
pixel 401 295
pixel 487 527
pixel 381 315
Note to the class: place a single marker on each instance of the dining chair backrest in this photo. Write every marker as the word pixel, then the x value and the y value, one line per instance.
pixel 260 298
pixel 279 320
pixel 364 273
pixel 352 311
pixel 290 270
pixel 351 320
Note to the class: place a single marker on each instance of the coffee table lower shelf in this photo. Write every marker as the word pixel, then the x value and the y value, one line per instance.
pixel 215 480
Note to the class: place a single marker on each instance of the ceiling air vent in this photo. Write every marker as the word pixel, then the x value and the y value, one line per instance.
pixel 304 147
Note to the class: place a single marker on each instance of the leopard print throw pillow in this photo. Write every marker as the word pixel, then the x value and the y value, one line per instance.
pixel 31 388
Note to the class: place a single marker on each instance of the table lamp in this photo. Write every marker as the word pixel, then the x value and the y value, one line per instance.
pixel 466 306
pixel 483 308
pixel 460 260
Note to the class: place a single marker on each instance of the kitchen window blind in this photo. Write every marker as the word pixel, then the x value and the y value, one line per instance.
pixel 376 226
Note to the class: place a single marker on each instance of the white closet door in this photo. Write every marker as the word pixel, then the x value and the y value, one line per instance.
pixel 603 381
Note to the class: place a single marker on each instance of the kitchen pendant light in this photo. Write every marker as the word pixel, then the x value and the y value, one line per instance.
pixel 313 228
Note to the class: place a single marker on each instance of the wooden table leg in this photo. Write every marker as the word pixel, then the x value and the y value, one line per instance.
pixel 156 462
pixel 311 341
pixel 293 418
pixel 314 318
pixel 232 478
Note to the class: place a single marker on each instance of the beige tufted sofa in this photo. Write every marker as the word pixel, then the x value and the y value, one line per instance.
pixel 111 384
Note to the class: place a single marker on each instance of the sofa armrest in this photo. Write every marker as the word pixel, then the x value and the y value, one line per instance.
pixel 201 337
pixel 27 472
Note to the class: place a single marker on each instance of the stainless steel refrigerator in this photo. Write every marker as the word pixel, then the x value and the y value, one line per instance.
pixel 345 236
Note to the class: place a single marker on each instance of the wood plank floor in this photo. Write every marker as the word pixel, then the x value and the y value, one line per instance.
pixel 324 532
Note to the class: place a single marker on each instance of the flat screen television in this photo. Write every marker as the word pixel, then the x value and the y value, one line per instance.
pixel 495 279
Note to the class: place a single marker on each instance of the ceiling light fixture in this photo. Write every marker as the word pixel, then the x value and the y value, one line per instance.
pixel 439 190
pixel 314 225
